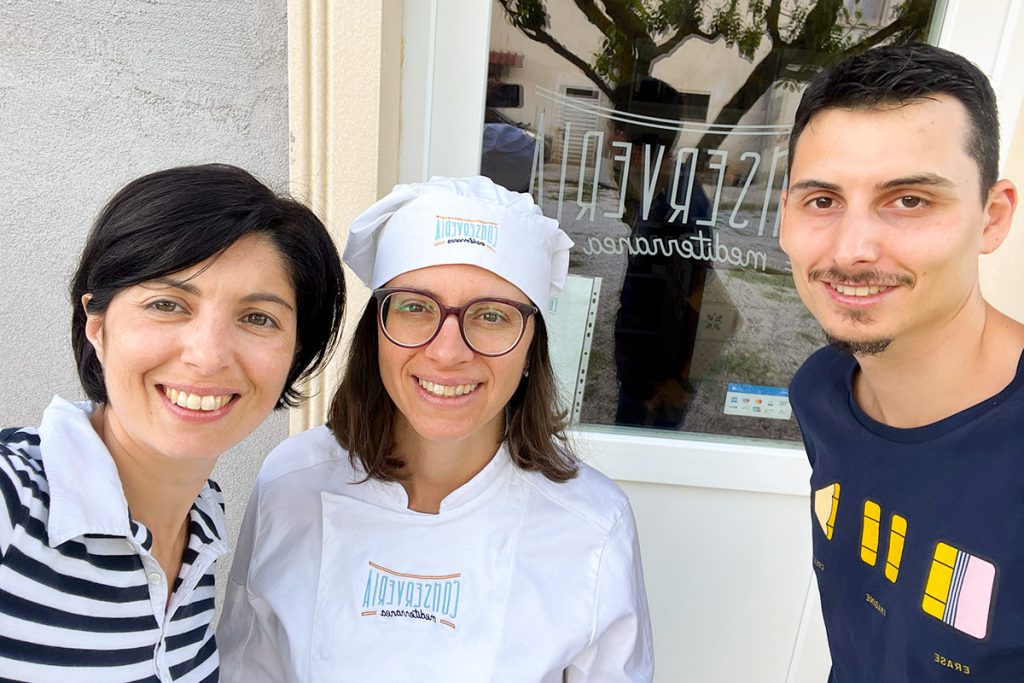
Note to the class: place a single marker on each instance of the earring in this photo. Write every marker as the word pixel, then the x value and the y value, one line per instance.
pixel 526 371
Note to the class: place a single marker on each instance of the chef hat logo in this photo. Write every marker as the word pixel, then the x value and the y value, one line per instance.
pixel 456 230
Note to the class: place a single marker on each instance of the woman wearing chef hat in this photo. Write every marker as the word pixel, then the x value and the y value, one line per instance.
pixel 438 527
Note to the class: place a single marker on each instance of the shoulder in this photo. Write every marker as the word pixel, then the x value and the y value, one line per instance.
pixel 825 364
pixel 820 396
pixel 26 436
pixel 825 374
pixel 20 452
pixel 212 497
pixel 590 499
pixel 304 452
pixel 20 442
pixel 23 483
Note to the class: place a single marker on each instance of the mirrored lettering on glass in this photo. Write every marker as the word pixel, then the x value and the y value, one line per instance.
pixel 656 132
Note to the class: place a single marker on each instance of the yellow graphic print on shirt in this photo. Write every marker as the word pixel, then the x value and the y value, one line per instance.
pixel 871 533
pixel 960 586
pixel 897 537
pixel 826 503
pixel 959 590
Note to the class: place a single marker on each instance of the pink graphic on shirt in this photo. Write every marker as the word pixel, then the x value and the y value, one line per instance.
pixel 960 590
pixel 975 598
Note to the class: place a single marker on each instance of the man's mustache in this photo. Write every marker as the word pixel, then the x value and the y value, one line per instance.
pixel 869 276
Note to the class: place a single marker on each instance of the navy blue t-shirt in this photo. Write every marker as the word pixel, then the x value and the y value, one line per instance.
pixel 918 534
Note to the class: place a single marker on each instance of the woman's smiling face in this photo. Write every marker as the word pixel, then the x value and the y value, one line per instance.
pixel 194 361
pixel 444 391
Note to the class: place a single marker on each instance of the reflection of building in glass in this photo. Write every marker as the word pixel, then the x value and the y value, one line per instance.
pixel 673 199
pixel 868 12
pixel 741 68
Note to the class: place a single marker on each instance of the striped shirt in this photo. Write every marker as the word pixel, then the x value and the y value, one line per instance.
pixel 82 598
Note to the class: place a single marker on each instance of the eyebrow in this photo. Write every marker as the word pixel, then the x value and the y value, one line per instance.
pixel 255 297
pixel 921 179
pixel 814 185
pixel 183 285
pixel 928 179
pixel 267 298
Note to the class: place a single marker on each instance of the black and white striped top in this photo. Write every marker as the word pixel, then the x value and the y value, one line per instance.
pixel 81 597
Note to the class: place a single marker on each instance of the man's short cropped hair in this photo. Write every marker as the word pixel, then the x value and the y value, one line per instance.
pixel 896 75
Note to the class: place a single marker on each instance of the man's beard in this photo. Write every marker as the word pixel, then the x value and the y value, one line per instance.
pixel 867 347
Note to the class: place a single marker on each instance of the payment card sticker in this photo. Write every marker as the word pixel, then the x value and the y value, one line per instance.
pixel 959 590
pixel 752 400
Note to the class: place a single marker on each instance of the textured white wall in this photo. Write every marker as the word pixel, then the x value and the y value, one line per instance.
pixel 94 93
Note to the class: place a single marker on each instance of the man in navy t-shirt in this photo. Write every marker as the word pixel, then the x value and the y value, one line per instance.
pixel 913 418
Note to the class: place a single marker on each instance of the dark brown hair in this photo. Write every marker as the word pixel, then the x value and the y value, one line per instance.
pixel 895 75
pixel 173 219
pixel 362 414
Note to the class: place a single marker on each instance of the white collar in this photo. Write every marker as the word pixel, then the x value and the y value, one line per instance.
pixel 393 494
pixel 481 483
pixel 85 491
pixel 86 496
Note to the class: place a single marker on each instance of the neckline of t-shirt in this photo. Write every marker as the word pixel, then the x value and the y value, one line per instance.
pixel 935 429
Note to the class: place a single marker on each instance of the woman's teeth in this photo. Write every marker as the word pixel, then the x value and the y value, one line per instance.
pixel 195 401
pixel 447 390
pixel 859 290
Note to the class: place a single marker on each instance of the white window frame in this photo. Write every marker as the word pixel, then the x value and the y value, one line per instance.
pixel 443 93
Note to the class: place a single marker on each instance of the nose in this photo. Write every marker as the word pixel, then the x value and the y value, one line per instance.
pixel 205 345
pixel 857 238
pixel 448 347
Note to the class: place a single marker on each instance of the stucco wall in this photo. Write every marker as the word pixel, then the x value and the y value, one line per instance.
pixel 92 94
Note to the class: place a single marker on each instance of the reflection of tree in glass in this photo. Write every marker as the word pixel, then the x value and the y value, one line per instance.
pixel 802 36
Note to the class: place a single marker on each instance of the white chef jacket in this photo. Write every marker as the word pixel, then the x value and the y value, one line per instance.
pixel 517 578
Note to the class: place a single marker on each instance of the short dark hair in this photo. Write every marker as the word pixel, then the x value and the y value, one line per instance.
pixel 362 414
pixel 173 219
pixel 896 75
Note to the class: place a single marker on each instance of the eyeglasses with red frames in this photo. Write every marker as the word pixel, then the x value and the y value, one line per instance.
pixel 411 318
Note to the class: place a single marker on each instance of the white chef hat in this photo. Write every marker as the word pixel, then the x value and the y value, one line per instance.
pixel 460 220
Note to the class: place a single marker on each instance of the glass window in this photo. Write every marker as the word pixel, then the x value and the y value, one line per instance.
pixel 656 132
pixel 865 11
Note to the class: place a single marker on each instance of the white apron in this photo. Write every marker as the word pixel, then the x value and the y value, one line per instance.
pixel 434 592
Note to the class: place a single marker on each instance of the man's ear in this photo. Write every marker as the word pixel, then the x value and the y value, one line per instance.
pixel 93 327
pixel 998 213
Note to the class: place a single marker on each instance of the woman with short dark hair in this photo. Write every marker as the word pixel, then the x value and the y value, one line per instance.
pixel 439 527
pixel 200 300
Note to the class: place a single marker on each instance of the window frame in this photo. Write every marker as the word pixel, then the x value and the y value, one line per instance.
pixel 447 42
